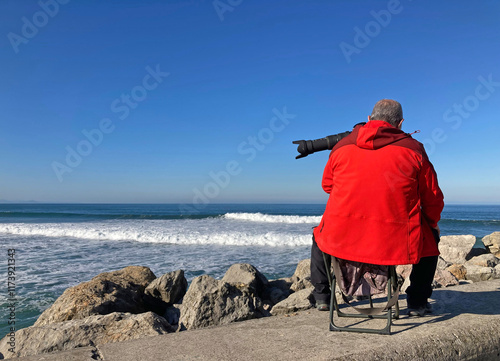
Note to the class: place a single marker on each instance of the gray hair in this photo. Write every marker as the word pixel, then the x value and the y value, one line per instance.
pixel 387 110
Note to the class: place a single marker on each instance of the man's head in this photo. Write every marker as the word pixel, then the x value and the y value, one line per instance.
pixel 388 110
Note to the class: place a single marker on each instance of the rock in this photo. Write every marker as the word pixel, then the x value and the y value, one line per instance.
pixel 283 284
pixel 117 291
pixel 302 276
pixel 303 270
pixel 173 314
pixel 444 278
pixel 404 270
pixel 492 243
pixel 455 249
pixel 210 302
pixel 91 331
pixel 484 260
pixel 276 291
pixel 478 273
pixel 301 300
pixel 442 263
pixel 405 284
pixel 165 291
pixel 301 284
pixel 246 274
pixel 458 270
pixel 273 295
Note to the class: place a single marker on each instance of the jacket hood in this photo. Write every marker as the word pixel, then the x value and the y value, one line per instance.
pixel 377 134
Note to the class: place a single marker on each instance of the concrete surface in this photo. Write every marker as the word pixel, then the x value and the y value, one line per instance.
pixel 465 326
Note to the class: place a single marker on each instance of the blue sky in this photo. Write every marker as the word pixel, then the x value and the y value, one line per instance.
pixel 199 101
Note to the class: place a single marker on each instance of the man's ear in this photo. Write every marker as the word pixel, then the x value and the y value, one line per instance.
pixel 400 123
pixel 369 118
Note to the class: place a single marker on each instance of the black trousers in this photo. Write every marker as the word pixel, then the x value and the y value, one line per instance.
pixel 319 277
pixel 421 278
pixel 418 292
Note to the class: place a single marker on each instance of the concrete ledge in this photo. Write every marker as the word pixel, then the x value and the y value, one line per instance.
pixel 466 326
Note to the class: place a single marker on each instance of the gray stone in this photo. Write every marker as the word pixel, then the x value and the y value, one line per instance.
pixel 442 263
pixel 301 300
pixel 302 276
pixel 301 284
pixel 444 278
pixel 246 274
pixel 173 314
pixel 165 291
pixel 91 331
pixel 274 295
pixel 406 284
pixel 283 284
pixel 455 249
pixel 484 260
pixel 404 270
pixel 303 270
pixel 478 273
pixel 276 291
pixel 492 243
pixel 108 292
pixel 211 302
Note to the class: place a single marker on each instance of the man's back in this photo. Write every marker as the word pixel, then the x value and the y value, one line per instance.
pixel 384 198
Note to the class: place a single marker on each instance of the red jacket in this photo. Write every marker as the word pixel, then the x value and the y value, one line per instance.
pixel 384 198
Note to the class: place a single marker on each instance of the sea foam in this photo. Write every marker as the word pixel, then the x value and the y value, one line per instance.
pixel 269 218
pixel 226 230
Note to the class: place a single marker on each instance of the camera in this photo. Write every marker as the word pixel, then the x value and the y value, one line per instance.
pixel 306 147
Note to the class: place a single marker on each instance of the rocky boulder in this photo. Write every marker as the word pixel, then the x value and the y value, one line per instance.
pixel 492 243
pixel 458 270
pixel 301 278
pixel 442 263
pixel 91 331
pixel 210 302
pixel 444 278
pixel 300 300
pixel 303 270
pixel 276 291
pixel 484 260
pixel 455 249
pixel 165 291
pixel 477 273
pixel 173 314
pixel 108 292
pixel 248 275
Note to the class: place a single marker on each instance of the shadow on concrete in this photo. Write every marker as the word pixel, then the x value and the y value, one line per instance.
pixel 446 303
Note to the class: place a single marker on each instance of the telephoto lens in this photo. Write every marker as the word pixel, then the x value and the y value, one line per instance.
pixel 306 147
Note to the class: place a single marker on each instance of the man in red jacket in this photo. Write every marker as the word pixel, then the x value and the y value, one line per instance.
pixel 384 204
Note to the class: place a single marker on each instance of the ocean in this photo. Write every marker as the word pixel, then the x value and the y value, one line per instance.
pixel 61 245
